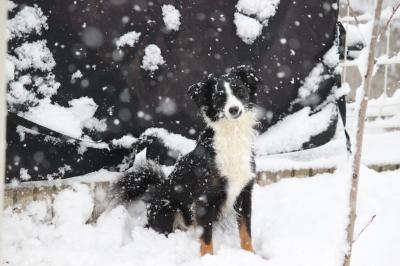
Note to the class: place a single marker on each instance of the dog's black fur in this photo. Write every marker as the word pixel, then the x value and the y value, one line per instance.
pixel 197 187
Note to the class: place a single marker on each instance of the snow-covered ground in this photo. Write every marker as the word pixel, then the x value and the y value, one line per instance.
pixel 295 222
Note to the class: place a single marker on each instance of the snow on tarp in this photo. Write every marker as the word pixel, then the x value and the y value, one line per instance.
pixel 67 120
pixel 249 28
pixel 171 17
pixel 295 222
pixel 152 58
pixel 275 141
pixel 129 39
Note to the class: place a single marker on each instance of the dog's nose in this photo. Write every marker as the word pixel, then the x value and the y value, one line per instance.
pixel 234 110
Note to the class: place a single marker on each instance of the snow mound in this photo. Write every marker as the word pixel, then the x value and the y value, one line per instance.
pixel 73 206
pixel 171 17
pixel 152 58
pixel 34 55
pixel 129 39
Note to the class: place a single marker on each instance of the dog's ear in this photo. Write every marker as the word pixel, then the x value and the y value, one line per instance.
pixel 248 75
pixel 199 91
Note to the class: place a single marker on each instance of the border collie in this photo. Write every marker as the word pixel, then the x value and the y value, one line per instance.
pixel 217 176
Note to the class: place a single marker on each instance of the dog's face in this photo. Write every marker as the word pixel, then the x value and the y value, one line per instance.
pixel 228 96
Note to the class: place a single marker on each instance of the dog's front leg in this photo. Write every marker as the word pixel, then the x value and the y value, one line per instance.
pixel 206 245
pixel 243 208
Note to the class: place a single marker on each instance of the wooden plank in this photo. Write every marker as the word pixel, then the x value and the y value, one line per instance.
pixel 8 198
pixel 284 174
pixel 99 197
pixel 389 167
pixel 318 171
pixel 302 173
pixel 22 197
pixel 375 167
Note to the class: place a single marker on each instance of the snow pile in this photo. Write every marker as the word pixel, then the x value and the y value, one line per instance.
pixel 302 123
pixel 249 28
pixel 171 17
pixel 130 39
pixel 24 174
pixel 34 55
pixel 67 120
pixel 152 58
pixel 295 222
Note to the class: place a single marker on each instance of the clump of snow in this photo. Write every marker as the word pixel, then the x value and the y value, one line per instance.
pixel 28 20
pixel 247 28
pixel 124 142
pixel 23 174
pixel 67 120
pixel 263 9
pixel 172 140
pixel 38 210
pixel 171 17
pixel 76 75
pixel 152 58
pixel 130 39
pixel 73 206
pixel 331 58
pixel 34 55
pixel 312 81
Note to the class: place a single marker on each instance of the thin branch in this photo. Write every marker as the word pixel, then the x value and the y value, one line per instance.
pixel 365 227
pixel 395 9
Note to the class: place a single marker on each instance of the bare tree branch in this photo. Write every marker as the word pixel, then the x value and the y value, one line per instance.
pixel 365 227
pixel 394 10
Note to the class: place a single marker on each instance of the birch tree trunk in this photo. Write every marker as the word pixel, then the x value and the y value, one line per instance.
pixel 360 132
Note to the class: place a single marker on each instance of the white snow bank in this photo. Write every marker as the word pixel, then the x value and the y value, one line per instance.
pixel 129 39
pixel 295 222
pixel 67 120
pixel 124 142
pixel 247 28
pixel 152 58
pixel 171 17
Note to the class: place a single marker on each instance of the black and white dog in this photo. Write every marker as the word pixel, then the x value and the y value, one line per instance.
pixel 218 175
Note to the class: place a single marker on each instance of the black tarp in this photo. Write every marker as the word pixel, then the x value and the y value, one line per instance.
pixel 204 44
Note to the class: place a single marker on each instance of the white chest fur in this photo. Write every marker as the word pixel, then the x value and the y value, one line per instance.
pixel 233 142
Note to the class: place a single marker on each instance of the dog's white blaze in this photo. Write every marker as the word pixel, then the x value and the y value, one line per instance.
pixel 233 142
pixel 231 100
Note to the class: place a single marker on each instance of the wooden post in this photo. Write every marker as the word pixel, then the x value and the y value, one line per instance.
pixel 3 45
pixel 360 132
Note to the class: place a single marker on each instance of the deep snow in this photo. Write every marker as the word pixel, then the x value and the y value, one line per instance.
pixel 295 222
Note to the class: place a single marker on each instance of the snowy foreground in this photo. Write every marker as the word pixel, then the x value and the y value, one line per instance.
pixel 295 222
